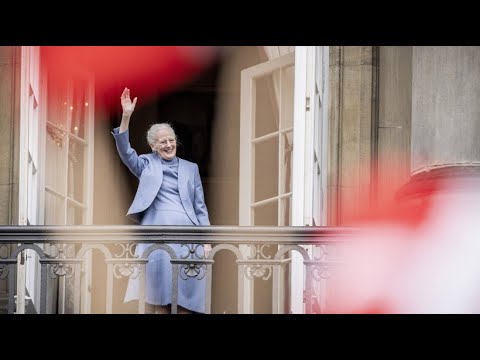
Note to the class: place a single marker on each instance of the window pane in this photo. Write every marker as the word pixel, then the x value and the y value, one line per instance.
pixel 76 167
pixel 54 209
pixel 267 97
pixel 266 215
pixel 286 211
pixel 55 160
pixel 266 169
pixel 75 215
pixel 58 103
pixel 288 79
pixel 79 109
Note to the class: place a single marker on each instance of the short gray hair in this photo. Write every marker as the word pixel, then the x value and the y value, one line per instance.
pixel 152 132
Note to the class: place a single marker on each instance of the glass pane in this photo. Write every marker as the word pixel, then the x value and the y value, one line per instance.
pixel 76 153
pixel 266 215
pixel 287 158
pixel 74 215
pixel 267 98
pixel 79 109
pixel 266 169
pixel 58 103
pixel 55 160
pixel 54 209
pixel 286 212
pixel 288 80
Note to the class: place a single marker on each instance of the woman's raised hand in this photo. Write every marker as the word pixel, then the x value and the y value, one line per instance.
pixel 127 104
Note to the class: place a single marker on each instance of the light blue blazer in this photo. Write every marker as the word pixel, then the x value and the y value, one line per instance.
pixel 148 168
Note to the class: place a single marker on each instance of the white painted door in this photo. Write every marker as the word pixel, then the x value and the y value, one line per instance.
pixel 69 169
pixel 266 145
pixel 284 131
pixel 30 210
pixel 309 155
pixel 319 162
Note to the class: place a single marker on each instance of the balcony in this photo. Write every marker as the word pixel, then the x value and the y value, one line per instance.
pixel 278 256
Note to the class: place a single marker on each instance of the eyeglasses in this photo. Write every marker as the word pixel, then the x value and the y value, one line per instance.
pixel 164 142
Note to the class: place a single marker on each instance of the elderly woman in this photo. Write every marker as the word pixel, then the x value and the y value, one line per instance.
pixel 169 193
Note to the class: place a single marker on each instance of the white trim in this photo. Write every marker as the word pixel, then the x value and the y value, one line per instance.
pixel 247 101
pixel 247 97
pixel 309 136
pixel 298 184
pixel 54 192
pixel 271 135
pixel 23 141
pixel 279 153
pixel 72 201
pixel 324 155
pixel 42 138
pixel 270 200
pixel 265 137
pixel 299 135
pixel 27 270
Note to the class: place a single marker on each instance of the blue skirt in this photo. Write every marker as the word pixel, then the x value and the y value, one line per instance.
pixel 158 286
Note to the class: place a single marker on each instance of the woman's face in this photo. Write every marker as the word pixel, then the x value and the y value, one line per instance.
pixel 166 145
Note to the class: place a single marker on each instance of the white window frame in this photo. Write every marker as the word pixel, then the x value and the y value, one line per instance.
pixel 247 157
pixel 30 209
pixel 87 204
pixel 32 165
pixel 310 154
